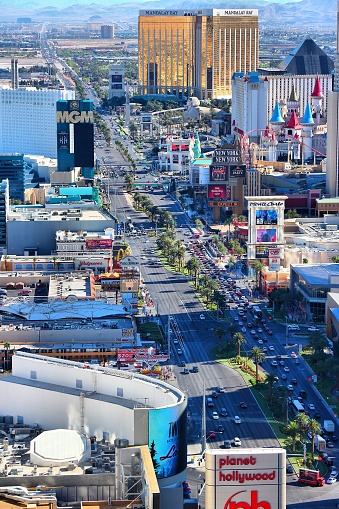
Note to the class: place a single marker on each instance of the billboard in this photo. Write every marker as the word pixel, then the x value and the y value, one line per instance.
pixel 98 243
pixel 218 173
pixel 116 78
pixel 237 171
pixel 63 141
pixel 84 145
pixel 130 354
pixel 266 235
pixel 269 216
pixel 167 439
pixel 217 191
pixel 246 479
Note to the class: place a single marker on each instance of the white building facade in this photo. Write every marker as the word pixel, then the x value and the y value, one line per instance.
pixel 28 120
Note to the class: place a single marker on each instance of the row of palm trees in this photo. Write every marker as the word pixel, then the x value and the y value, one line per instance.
pixel 161 217
pixel 174 250
pixel 297 428
pixel 125 153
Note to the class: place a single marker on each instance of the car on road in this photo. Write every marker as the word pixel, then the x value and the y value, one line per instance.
pixel 183 364
pixel 317 415
pixel 227 444
pixel 312 329
pixel 253 332
pixel 283 377
pixel 195 369
pixel 202 317
pixel 179 351
pixel 242 404
pixel 260 331
pixel 237 442
pixel 297 361
pixel 271 348
pixel 215 415
pixel 176 341
pixel 311 406
pixel 214 394
pixel 221 390
pixel 223 412
pixel 330 445
pixel 294 381
pixel 282 363
pixel 331 480
pixel 289 469
pixel 286 369
pixel 264 349
pixel 221 428
pixel 293 327
pixel 237 419
pixel 211 434
pixel 260 342
pixel 290 387
pixel 274 363
pixel 243 329
pixel 293 355
pixel 186 371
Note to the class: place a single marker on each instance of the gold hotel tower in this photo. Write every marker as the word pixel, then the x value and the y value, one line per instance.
pixel 195 52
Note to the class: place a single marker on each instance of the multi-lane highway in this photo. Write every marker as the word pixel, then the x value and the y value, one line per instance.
pixel 173 295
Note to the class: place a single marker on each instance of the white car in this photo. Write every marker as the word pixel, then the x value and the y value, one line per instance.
pixel 293 327
pixel 215 416
pixel 312 329
pixel 237 442
pixel 290 387
pixel 243 329
pixel 286 369
pixel 271 348
pixel 202 317
pixel 331 480
pixel 237 419
pixel 311 406
pixel 179 351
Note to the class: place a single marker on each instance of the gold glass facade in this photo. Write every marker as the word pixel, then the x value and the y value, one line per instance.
pixel 186 53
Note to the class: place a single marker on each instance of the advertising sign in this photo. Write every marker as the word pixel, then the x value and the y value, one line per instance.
pixel 250 479
pixel 217 191
pixel 167 440
pixel 266 235
pixel 119 228
pixel 130 354
pixel 218 173
pixel 63 141
pixel 98 243
pixel 226 155
pixel 116 78
pixel 269 216
pixel 237 171
pixel 274 263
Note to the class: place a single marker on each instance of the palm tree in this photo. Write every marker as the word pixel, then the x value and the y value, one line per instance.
pixel 292 429
pixel 303 422
pixel 314 427
pixel 219 333
pixel 6 257
pixel 194 267
pixel 270 379
pixel 240 340
pixel 258 356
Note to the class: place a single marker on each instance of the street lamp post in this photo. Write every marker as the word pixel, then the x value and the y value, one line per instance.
pixel 169 332
pixel 286 333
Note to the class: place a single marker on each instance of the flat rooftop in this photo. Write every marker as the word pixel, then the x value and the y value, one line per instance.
pixel 42 214
pixel 319 274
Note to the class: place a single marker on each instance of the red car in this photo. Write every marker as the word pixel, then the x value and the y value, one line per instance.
pixel 243 405
pixel 269 332
pixel 211 434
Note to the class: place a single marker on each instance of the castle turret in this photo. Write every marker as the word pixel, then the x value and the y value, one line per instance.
pixel 307 133
pixel 317 101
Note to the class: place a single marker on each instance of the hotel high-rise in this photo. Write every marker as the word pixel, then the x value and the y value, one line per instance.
pixel 332 151
pixel 195 52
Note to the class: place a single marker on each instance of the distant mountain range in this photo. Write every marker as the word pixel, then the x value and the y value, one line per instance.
pixel 304 13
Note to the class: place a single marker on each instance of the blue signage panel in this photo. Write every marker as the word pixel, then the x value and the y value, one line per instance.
pixel 167 440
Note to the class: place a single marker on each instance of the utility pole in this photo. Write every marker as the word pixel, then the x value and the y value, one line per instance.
pixel 169 332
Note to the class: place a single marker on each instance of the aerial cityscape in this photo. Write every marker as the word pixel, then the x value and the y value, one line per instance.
pixel 169 255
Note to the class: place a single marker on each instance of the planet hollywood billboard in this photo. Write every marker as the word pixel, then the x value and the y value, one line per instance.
pixel 246 479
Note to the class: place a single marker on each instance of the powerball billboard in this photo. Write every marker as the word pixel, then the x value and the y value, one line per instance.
pixel 246 479
pixel 167 439
pixel 98 243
